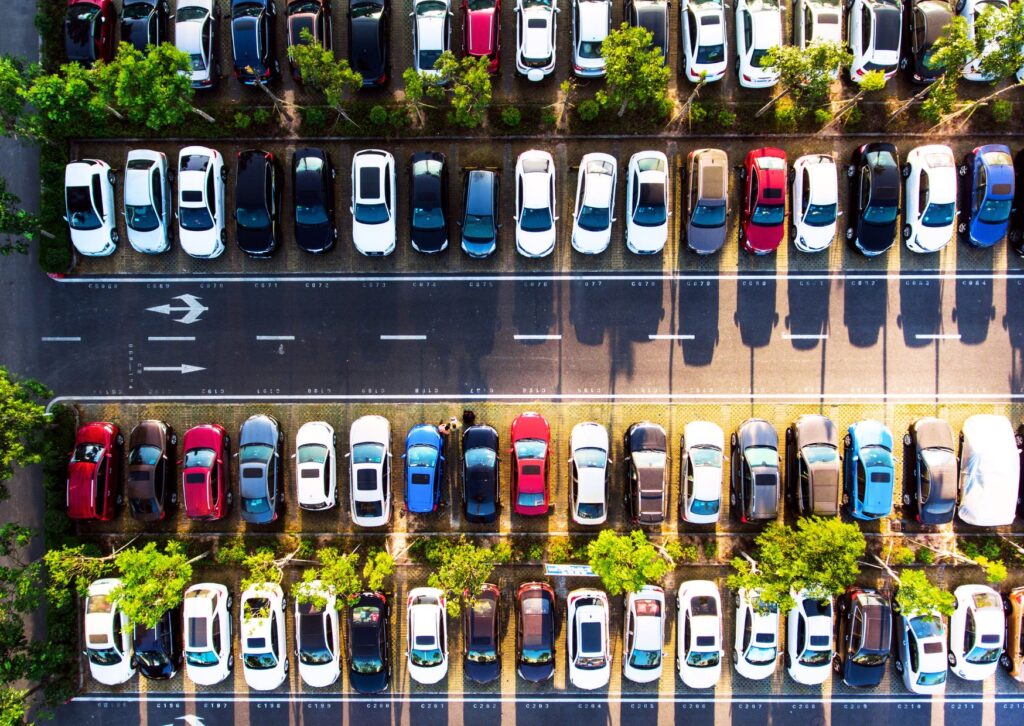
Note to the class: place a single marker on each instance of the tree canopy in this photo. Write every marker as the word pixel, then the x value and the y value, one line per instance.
pixel 807 74
pixel 635 71
pixel 323 72
pixel 152 582
pixel 150 88
pixel 460 568
pixel 917 594
pixel 22 424
pixel 627 562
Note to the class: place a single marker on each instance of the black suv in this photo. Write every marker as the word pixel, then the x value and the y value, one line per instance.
pixel 158 650
pixel 313 189
pixel 924 21
pixel 864 637
pixel 144 22
pixel 754 476
pixel 257 203
pixel 874 174
pixel 646 459
pixel 428 202
pixel 252 40
pixel 369 643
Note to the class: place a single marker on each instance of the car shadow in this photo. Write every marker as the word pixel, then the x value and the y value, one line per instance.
pixel 865 305
pixel 698 306
pixel 808 310
pixel 920 316
pixel 756 315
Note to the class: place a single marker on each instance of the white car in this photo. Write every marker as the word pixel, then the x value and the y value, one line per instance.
pixel 989 471
pixel 317 635
pixel 591 23
pixel 972 11
pixel 535 204
pixel 809 646
pixel 594 212
pixel 929 212
pixel 369 461
pixel 874 30
pixel 427 633
pixel 758 28
pixel 263 635
pixel 431 33
pixel 701 497
pixel 108 635
pixel 206 614
pixel 704 38
pixel 89 207
pixel 815 202
pixel 373 202
pixel 536 30
pixel 756 647
pixel 316 465
pixel 588 473
pixel 586 636
pixel 647 202
pixel 817 21
pixel 147 201
pixel 921 652
pixel 201 176
pixel 643 636
pixel 976 631
pixel 699 649
pixel 195 33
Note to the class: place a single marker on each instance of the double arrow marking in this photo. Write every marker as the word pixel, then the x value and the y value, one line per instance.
pixel 193 309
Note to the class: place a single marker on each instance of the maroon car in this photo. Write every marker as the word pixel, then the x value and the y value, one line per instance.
pixel 151 485
pixel 89 28
pixel 205 476
pixel 94 472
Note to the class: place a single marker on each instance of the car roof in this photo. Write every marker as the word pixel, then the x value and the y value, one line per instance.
pixel 593 20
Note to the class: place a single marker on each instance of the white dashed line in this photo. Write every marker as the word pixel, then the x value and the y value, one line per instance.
pixel 60 339
pixel 805 336
pixel 171 339
pixel 403 337
pixel 537 337
pixel 938 336
pixel 275 337
pixel 671 337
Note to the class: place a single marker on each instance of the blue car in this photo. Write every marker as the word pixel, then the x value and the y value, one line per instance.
pixel 988 194
pixel 424 469
pixel 868 472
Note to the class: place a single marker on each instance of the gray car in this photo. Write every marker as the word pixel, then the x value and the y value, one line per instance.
pixel 812 465
pixel 707 200
pixel 754 480
pixel 260 469
pixel 480 219
pixel 930 486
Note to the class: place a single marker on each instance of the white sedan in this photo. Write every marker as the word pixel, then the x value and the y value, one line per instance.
pixel 921 652
pixel 647 202
pixel 317 635
pixel 591 23
pixel 369 460
pixel 431 33
pixel 315 465
pixel 643 637
pixel 89 207
pixel 373 202
pixel 147 201
pixel 201 173
pixel 588 473
pixel 262 631
pixel 701 496
pixel 589 654
pixel 594 212
pixel 108 635
pixel 758 28
pixel 809 646
pixel 874 30
pixel 815 202
pixel 427 632
pixel 756 647
pixel 536 30
pixel 976 631
pixel 929 213
pixel 705 40
pixel 207 616
pixel 700 634
pixel 535 204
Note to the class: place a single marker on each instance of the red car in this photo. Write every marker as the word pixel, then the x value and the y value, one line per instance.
pixel 531 443
pixel 94 472
pixel 762 221
pixel 205 472
pixel 481 30
pixel 89 28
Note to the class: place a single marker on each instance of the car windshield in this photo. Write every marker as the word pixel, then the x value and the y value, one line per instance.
pixel 645 659
pixel 480 457
pixel 310 214
pixel 426 658
pixel 190 13
pixel 421 455
pixel 141 218
pixel 820 215
pixel 814 658
pixel 312 454
pixel 152 658
pixel 482 655
pixel 819 454
pixel 88 453
pixel 708 216
pixel 478 227
pixel 427 218
pixel 367 453
pixel 931 679
pixel 939 215
pixel 104 656
pixel 198 62
pixel 593 219
pixel 372 213
pixel 536 656
pixel 590 49
pixel 981 655
pixel 199 458
pixel 706 456
pixel 195 219
pixel 995 211
pixel 711 54
pixel 880 213
pixel 702 659
pixel 365 9
pixel 869 658
pixel 367 664
pixel 480 4
pixel 768 215
pixel 81 214
pixel 704 506
pixel 759 655
pixel 535 219
pixel 593 510
pixel 651 210
pixel 761 456
pixel 369 509
pixel 260 661
pixel 927 626
pixel 592 458
pixel 530 449
pixel 144 506
pixel 145 455
pixel 317 654
pixel 256 218
pixel 649 459
pixel 201 658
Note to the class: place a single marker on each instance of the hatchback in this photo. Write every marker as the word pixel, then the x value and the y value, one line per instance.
pixel 704 39
pixel 809 645
pixel 643 634
pixel 989 187
pixel 257 203
pixel 868 470
pixel 369 643
pixel 152 488
pixel 480 213
pixel 428 201
pixel 700 496
pixel 763 215
pixel 316 466
pixel 930 492
pixel 195 33
pixel 646 487
pixel 813 466
pixel 480 474
pixel 874 175
pixel 308 16
pixel 252 40
pixel 648 202
pixel 264 636
pixel 317 635
pixel 874 30
pixel 147 201
pixel 531 461
pixel 144 22
pixel 107 634
pixel 864 637
pixel 707 200
pixel 260 469
pixel 94 472
pixel 207 617
pixel 373 202
pixel 536 30
pixel 424 469
pixel 89 207
pixel 754 480
pixel 158 650
pixel 920 650
pixel 535 215
pixel 976 631
pixel 535 631
pixel 587 641
pixel 427 634
pixel 205 475
pixel 313 191
pixel 758 29
pixel 481 626
pixel 89 29
pixel 368 40
pixel 591 23
pixel 594 210
pixel 481 29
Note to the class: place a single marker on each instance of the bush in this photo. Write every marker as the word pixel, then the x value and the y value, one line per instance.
pixel 588 110
pixel 511 116
pixel 549 118
pixel 785 117
pixel 54 254
pixel 1002 110
pixel 710 549
pixel 378 115
pixel 242 120
pixel 822 116
pixel 399 117
pixel 698 112
pixel 315 117
pixel 903 556
pixel 560 549
pixel 854 117
pixel 726 118
pixel 261 116
pixel 925 556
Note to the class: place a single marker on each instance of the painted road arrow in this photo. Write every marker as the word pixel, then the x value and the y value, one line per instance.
pixel 193 309
pixel 183 368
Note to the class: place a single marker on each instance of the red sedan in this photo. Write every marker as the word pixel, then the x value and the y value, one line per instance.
pixel 531 444
pixel 481 30
pixel 94 472
pixel 762 221
pixel 205 472
pixel 89 28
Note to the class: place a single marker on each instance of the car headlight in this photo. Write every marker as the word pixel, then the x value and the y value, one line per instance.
pixel 803 241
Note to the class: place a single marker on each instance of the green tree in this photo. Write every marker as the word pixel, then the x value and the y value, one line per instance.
pixel 321 71
pixel 467 84
pixel 806 75
pixel 1000 32
pixel 917 594
pixel 152 582
pixel 416 86
pixel 337 575
pixel 635 72
pixel 952 51
pixel 460 568
pixel 17 226
pixel 14 80
pixel 64 101
pixel 627 562
pixel 13 706
pixel 377 568
pixel 71 569
pixel 872 82
pixel 22 424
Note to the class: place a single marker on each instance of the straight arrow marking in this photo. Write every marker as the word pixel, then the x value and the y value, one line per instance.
pixel 183 368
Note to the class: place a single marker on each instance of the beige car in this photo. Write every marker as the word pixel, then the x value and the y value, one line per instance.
pixel 1013 657
pixel 707 200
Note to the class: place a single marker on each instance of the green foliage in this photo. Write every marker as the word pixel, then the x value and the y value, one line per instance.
pixel 377 568
pixel 995 570
pixel 262 568
pixel 698 112
pixel 941 99
pixel 150 89
pixel 416 87
pixel 627 562
pixel 560 550
pixel 337 575
pixel 925 556
pixel 71 569
pixel 64 101
pixel 314 117
pixel 378 115
pixel 786 116
pixel 459 569
pixel 502 552
pixel 152 581
pixel 807 73
pixel 917 595
pixel 822 116
pixel 1001 110
pixel 322 72
pixel 903 556
pixel 23 418
pixel 854 116
pixel 14 79
pixel 549 118
pixel 261 116
pixel 231 552
pixel 466 83
pixel 872 82
pixel 511 116
pixel 1001 29
pixel 242 120
pixel 954 48
pixel 710 548
pixel 588 110
pixel 636 76
pixel 13 706
pixel 726 118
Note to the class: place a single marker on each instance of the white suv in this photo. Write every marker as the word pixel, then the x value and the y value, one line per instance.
pixel 201 175
pixel 591 23
pixel 431 33
pixel 700 634
pixel 369 461
pixel 373 202
pixel 264 641
pixel 536 30
pixel 108 635
pixel 207 620
pixel 756 648
pixel 427 646
pixel 89 204
pixel 929 212
pixel 976 632
pixel 317 634
pixel 147 201
pixel 809 647
pixel 874 29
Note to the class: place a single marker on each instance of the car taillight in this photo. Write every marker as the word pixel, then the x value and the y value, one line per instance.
pixel 576 67
pixel 747 78
pixel 266 73
pixel 860 72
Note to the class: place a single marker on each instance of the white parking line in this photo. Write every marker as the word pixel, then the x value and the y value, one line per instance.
pixel 680 336
pixel 171 339
pixel 60 339
pixel 403 337
pixel 938 336
pixel 275 337
pixel 537 337
pixel 805 336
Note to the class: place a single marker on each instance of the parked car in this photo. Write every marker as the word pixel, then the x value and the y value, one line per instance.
pixel 373 202
pixel 313 196
pixel 652 15
pixel 257 203
pixel 369 643
pixel 589 469
pixel 646 467
pixel 481 623
pixel 159 650
pixel 809 646
pixel 314 17
pixel 264 637
pixel 648 202
pixel 700 634
pixel 815 202
pixel 147 201
pixel 480 204
pixel 755 649
pixel 260 469
pixel 145 23
pixel 707 198
pixel 758 28
pixel 864 637
pixel 536 30
pixel 89 29
pixel 316 466
pixel 89 207
pixel 925 21
pixel 989 471
pixel 369 460
pixel 195 33
pixel 818 21
pixel 1013 657
pixel 972 11
pixel 201 224
pixel 874 29
pixel 594 211
pixel 431 34
pixel 94 472
pixel 368 35
pixel 481 29
pixel 700 496
pixel 535 631
pixel 252 41
pixel 152 489
pixel 763 215
pixel 318 635
pixel 930 492
pixel 920 650
pixel 427 628
pixel 976 631
pixel 704 39
pixel 813 466
pixel 108 635
pixel 481 498
pixel 205 475
pixel 428 195
pixel 424 469
pixel 536 211
pixel 929 212
pixel 531 463
pixel 1016 233
pixel 207 616
pixel 754 476
pixel 989 187
pixel 643 634
pixel 587 640
pixel 874 197
pixel 868 470
pixel 591 23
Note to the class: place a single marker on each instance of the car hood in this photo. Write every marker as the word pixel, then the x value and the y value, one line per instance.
pixel 480 31
pixel 934 238
pixel 374 238
pixel 763 238
pixel 255 241
pixel 873 433
pixel 705 239
pixel 429 240
pixel 482 672
pixel 369 682
pixel 536 244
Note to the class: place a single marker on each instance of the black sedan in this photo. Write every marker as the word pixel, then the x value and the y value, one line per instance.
pixel 482 627
pixel 864 637
pixel 369 643
pixel 924 22
pixel 646 468
pixel 158 650
pixel 428 207
pixel 480 213
pixel 874 174
pixel 252 40
pixel 368 40
pixel 480 484
pixel 257 201
pixel 313 189
pixel 313 16
pixel 144 22
pixel 930 485
pixel 754 480
pixel 261 471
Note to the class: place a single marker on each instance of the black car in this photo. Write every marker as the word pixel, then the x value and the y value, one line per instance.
pixel 874 174
pixel 535 631
pixel 257 203
pixel 864 637
pixel 1016 234
pixel 480 213
pixel 652 15
pixel 252 40
pixel 369 643
pixel 428 202
pixel 646 467
pixel 481 625
pixel 158 650
pixel 261 471
pixel 930 481
pixel 313 16
pixel 480 484
pixel 924 21
pixel 313 189
pixel 754 476
pixel 144 22
pixel 368 40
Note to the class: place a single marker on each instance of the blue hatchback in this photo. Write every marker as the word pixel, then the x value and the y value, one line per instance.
pixel 424 469
pixel 868 471
pixel 988 194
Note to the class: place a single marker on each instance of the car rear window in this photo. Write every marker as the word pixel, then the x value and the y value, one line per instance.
pixel 195 478
pixel 420 478
pixel 531 470
pixel 255 643
pixel 766 638
pixel 536 23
